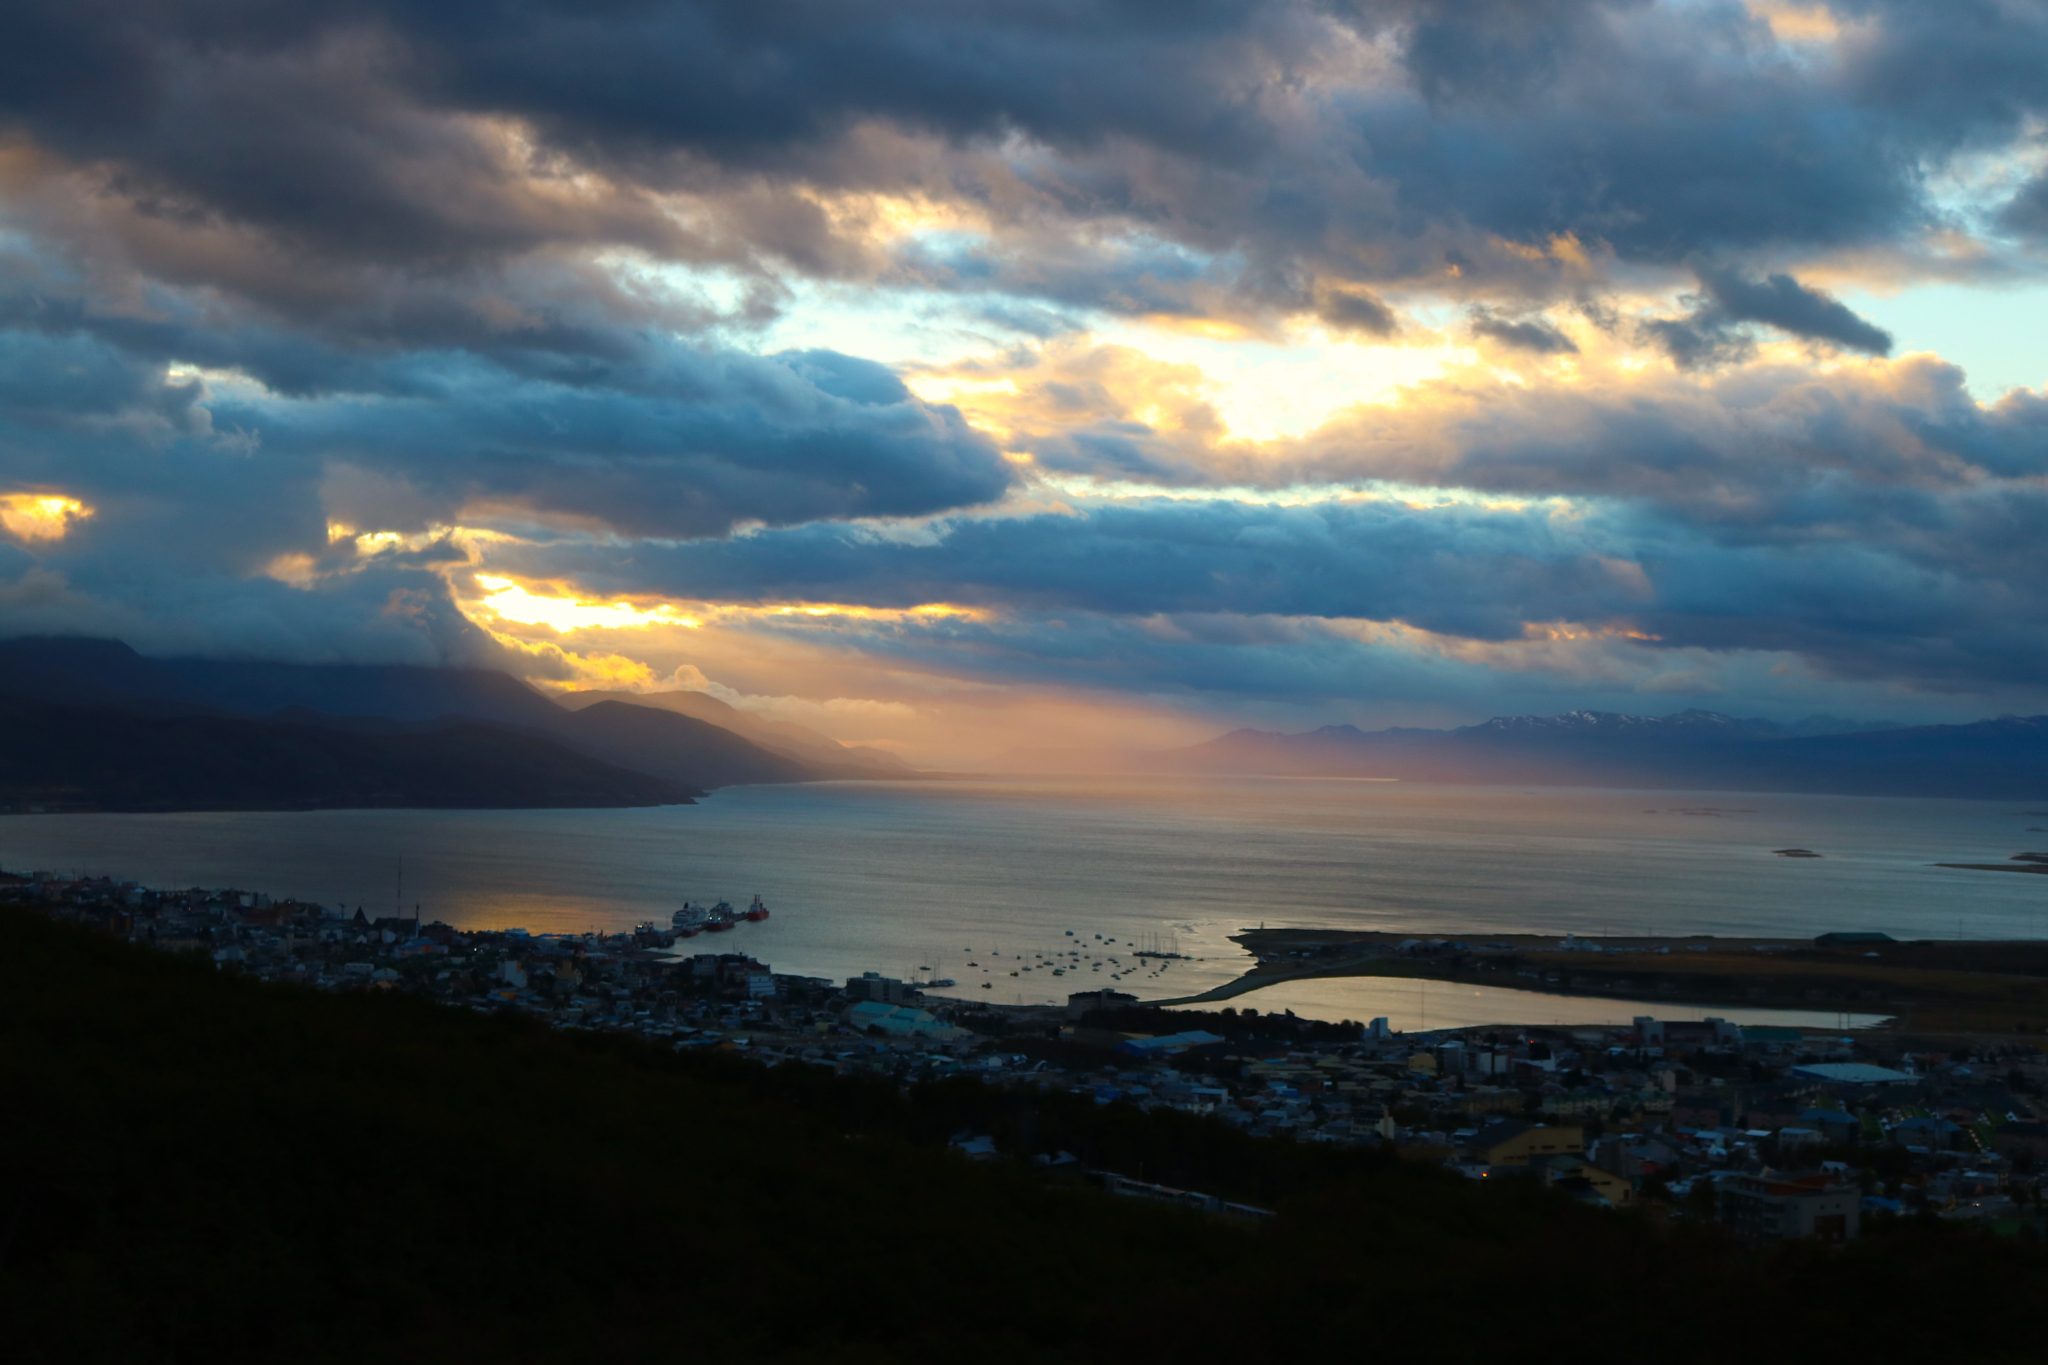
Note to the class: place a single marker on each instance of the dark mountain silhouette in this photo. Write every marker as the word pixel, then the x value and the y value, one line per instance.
pixel 343 735
pixel 821 753
pixel 108 672
pixel 1701 750
pixel 105 758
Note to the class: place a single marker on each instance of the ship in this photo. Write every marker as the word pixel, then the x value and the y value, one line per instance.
pixel 757 910
pixel 690 921
pixel 721 918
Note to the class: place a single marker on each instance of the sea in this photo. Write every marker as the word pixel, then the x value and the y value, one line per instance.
pixel 1022 890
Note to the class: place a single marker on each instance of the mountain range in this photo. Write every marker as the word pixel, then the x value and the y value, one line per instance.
pixel 91 724
pixel 1690 750
pixel 819 755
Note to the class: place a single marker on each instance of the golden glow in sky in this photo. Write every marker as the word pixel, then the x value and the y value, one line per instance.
pixel 560 607
pixel 40 516
pixel 1269 390
pixel 563 610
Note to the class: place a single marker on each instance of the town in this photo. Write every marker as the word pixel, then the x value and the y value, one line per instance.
pixel 1778 1133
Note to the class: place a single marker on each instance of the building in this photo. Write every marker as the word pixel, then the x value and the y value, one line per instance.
pixel 1764 1209
pixel 1081 1003
pixel 1167 1045
pixel 1517 1144
pixel 900 1021
pixel 1586 1182
pixel 1851 1073
pixel 875 986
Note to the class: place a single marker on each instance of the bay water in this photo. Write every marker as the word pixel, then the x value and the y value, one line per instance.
pixel 1005 881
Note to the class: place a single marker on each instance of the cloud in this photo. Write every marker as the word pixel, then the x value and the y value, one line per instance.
pixel 1288 148
pixel 1455 570
pixel 1709 333
pixel 1353 310
pixel 408 265
pixel 2026 212
pixel 662 437
pixel 1535 335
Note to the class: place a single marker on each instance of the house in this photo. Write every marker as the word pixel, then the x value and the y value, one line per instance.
pixel 1834 1125
pixel 1517 1144
pixel 1766 1209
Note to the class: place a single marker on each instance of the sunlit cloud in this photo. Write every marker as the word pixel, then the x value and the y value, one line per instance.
pixel 40 516
pixel 1797 23
pixel 562 609
pixel 566 610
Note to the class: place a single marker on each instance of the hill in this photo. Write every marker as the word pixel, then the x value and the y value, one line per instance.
pixel 104 758
pixel 821 753
pixel 222 1170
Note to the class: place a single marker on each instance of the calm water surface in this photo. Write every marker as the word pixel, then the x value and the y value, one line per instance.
pixel 926 878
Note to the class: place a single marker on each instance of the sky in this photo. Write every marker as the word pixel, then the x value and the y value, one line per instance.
pixel 960 375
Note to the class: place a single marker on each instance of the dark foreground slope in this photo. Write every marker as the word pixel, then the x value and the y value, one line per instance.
pixel 102 758
pixel 202 1168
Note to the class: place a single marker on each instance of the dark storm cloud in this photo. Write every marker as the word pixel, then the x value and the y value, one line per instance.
pixel 1353 310
pixel 1917 606
pixel 362 133
pixel 669 440
pixel 683 442
pixel 1470 573
pixel 2026 213
pixel 1875 524
pixel 1524 334
pixel 1710 333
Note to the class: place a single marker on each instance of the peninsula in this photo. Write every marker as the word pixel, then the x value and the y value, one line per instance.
pixel 2019 862
pixel 1960 986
